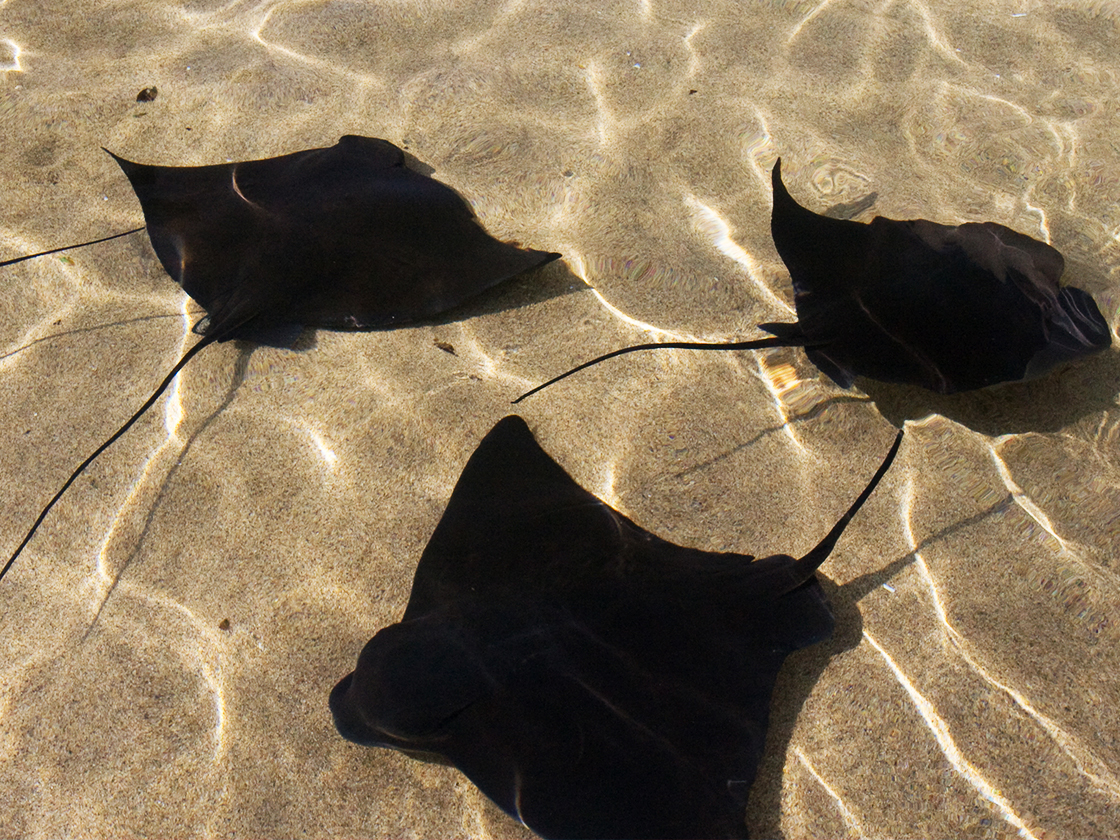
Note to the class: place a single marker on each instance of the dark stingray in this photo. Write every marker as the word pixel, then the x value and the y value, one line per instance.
pixel 344 238
pixel 947 308
pixel 589 677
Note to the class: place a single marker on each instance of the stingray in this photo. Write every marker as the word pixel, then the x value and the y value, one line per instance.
pixel 341 238
pixel 949 308
pixel 589 677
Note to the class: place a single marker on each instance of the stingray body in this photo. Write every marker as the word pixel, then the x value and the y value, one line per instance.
pixel 589 677
pixel 343 238
pixel 949 308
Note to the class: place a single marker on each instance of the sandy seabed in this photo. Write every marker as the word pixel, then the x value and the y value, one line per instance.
pixel 972 685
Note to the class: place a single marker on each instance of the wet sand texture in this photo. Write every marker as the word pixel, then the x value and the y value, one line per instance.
pixel 265 519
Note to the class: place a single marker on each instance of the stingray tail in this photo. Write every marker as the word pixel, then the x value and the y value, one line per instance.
pixel 806 566
pixel 754 344
pixel 190 354
pixel 69 247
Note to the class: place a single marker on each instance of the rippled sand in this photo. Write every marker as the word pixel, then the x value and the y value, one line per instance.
pixel 972 686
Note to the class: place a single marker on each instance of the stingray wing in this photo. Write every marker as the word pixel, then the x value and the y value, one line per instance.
pixel 604 713
pixel 827 260
pixel 379 243
pixel 510 511
pixel 582 740
pixel 517 522
pixel 208 238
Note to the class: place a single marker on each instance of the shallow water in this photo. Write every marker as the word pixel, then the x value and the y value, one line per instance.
pixel 972 684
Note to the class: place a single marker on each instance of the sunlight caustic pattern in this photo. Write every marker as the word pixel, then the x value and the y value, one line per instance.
pixel 172 417
pixel 940 731
pixel 1096 770
pixel 575 260
pixel 1028 505
pixel 637 138
pixel 203 658
pixel 712 225
pixel 850 819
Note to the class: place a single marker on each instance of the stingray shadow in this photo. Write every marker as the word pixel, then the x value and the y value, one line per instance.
pixel 549 281
pixel 812 413
pixel 552 280
pixel 240 369
pixel 1048 404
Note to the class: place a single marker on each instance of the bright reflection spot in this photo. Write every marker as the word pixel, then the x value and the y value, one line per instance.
pixel 783 376
pixel 237 189
pixel 1043 223
pixel 173 408
pixel 775 384
pixel 798 396
pixel 10 63
pixel 517 795
pixel 602 112
pixel 607 494
pixel 328 454
pixel 693 58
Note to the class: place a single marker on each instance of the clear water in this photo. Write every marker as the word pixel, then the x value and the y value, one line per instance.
pixel 972 686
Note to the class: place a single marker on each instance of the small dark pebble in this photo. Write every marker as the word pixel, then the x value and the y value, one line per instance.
pixel 691 92
pixel 223 624
pixel 445 347
pixel 147 94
